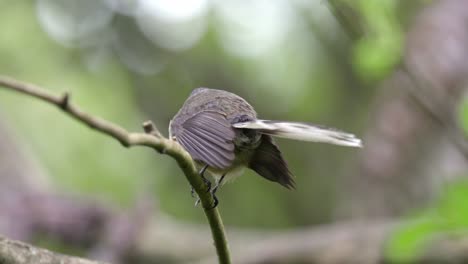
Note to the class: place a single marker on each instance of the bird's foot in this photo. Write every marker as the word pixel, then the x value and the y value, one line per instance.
pixel 213 192
pixel 205 181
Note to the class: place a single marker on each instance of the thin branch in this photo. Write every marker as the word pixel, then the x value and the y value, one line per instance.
pixel 347 18
pixel 151 138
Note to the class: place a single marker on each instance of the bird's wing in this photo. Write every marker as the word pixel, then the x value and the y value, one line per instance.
pixel 269 163
pixel 208 137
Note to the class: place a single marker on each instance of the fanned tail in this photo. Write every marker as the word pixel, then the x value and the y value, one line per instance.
pixel 302 131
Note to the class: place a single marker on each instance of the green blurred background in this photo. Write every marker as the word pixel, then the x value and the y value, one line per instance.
pixel 114 70
pixel 130 61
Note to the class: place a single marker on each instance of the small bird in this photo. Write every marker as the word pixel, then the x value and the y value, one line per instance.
pixel 221 132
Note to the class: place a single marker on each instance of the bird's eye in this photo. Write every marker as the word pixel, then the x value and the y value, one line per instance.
pixel 241 118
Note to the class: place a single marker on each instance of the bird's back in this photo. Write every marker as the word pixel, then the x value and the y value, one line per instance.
pixel 227 104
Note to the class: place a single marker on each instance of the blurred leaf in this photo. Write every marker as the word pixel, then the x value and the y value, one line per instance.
pixel 409 240
pixel 463 115
pixel 380 49
pixel 448 216
pixel 453 206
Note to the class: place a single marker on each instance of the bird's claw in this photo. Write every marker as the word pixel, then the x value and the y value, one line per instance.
pixel 215 201
pixel 207 184
pixel 205 180
pixel 212 191
pixel 192 192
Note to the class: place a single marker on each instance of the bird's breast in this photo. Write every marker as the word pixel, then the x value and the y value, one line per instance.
pixel 232 172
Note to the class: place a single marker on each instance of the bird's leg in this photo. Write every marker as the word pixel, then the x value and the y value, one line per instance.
pixel 213 191
pixel 205 180
pixel 192 191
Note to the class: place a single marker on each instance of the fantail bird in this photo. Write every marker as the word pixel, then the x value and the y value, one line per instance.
pixel 221 132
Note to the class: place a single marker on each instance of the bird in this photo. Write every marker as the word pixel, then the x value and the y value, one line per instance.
pixel 221 132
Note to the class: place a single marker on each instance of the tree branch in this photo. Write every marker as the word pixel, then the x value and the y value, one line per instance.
pixel 151 138
pixel 348 19
pixel 14 252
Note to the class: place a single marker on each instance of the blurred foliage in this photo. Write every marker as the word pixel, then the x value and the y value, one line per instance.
pixel 379 49
pixel 128 63
pixel 93 163
pixel 463 115
pixel 128 67
pixel 447 216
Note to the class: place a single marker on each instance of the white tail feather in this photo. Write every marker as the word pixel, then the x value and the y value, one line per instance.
pixel 302 131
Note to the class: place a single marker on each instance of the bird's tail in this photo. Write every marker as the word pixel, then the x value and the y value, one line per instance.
pixel 302 131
